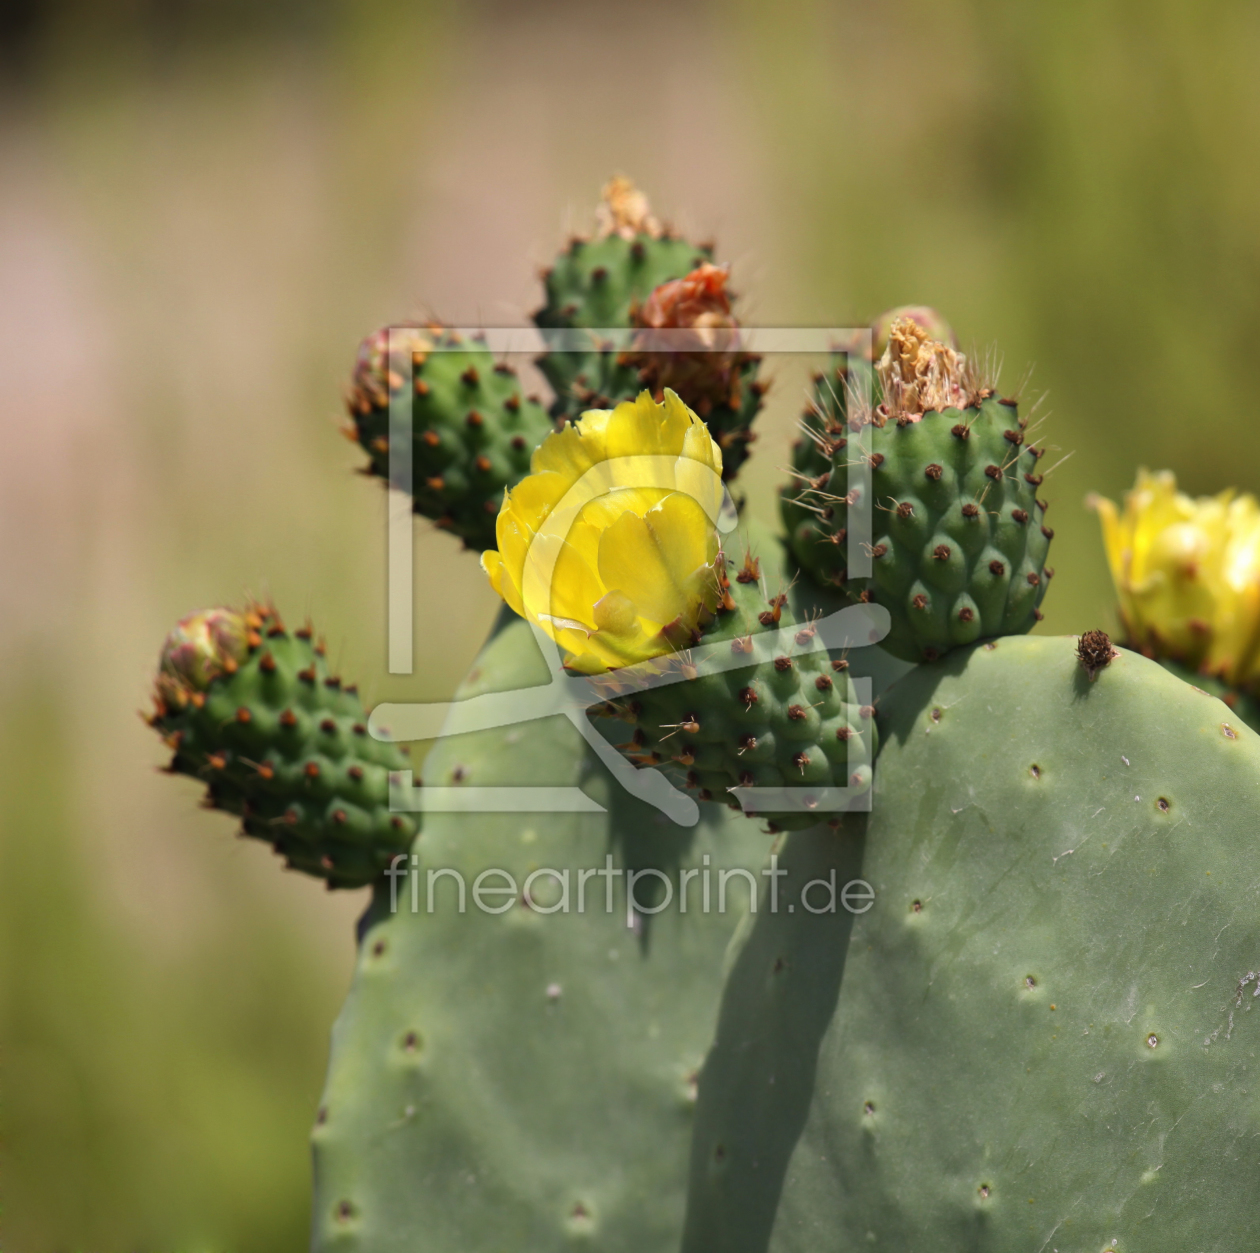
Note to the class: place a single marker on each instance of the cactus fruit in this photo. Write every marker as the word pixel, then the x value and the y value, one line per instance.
pixel 525 1080
pixel 472 428
pixel 635 273
pixel 598 282
pixel 784 720
pixel 1187 574
pixel 1040 1034
pixel 959 540
pixel 250 709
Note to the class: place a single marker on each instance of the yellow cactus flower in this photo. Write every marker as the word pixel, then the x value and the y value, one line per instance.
pixel 609 542
pixel 1188 575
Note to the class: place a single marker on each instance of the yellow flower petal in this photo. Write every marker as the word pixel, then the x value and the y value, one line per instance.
pixel 687 544
pixel 609 543
pixel 1187 573
pixel 631 561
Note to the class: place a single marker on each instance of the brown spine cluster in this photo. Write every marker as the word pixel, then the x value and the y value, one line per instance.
pixel 1095 652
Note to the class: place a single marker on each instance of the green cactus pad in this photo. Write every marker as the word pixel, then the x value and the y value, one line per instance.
pixel 1243 704
pixel 525 1080
pixel 1044 1032
pixel 473 431
pixel 783 720
pixel 251 710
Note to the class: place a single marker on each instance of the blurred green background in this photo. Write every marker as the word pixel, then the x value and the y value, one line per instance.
pixel 204 205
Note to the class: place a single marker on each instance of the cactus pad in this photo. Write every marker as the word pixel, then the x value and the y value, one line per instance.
pixel 1043 1032
pixel 1243 704
pixel 250 709
pixel 525 1080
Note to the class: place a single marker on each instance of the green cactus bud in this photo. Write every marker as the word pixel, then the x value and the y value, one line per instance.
pixel 958 535
pixel 787 719
pixel 473 430
pixel 635 273
pixel 250 709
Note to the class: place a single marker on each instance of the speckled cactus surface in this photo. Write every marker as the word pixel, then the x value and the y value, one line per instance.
pixel 1041 1033
pixel 791 717
pixel 472 429
pixel 526 1080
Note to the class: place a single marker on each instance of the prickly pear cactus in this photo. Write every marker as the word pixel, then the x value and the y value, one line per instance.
pixel 1040 1035
pixel 786 719
pixel 959 539
pixel 525 1079
pixel 249 708
pixel 635 273
pixel 473 430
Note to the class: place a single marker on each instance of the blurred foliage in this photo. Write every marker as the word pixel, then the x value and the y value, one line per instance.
pixel 144 1099
pixel 204 205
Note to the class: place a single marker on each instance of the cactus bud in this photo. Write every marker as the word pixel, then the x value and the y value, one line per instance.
pixel 251 711
pixel 202 646
pixel 1187 574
